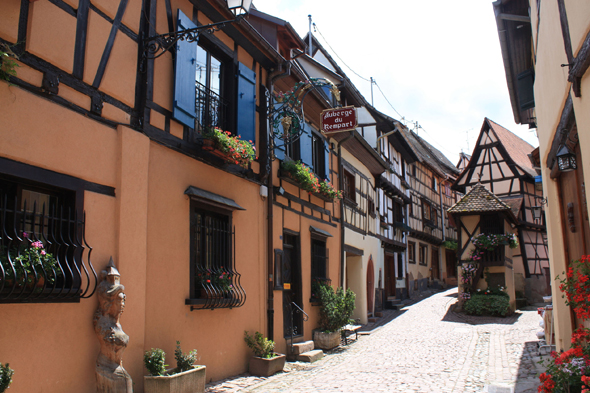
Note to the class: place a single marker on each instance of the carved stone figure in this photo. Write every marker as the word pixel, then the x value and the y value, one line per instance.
pixel 111 377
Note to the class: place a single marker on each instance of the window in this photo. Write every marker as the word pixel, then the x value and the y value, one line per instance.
pixel 371 207
pixel 423 254
pixel 434 183
pixel 411 252
pixel 319 267
pixel 205 88
pixel 434 216
pixel 414 170
pixel 292 150
pixel 492 224
pixel 398 212
pixel 43 256
pixel 426 211
pixel 210 107
pixel 348 186
pixel 411 209
pixel 318 156
pixel 214 280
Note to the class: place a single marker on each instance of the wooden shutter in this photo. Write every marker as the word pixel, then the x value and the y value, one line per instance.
pixel 526 96
pixel 305 146
pixel 246 103
pixel 184 76
pixel 326 160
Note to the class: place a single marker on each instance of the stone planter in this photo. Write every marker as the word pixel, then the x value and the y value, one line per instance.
pixel 191 381
pixel 326 341
pixel 262 367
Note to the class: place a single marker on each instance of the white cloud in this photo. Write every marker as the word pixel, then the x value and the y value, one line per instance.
pixel 438 63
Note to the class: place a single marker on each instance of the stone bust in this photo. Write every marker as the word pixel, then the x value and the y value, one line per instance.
pixel 111 377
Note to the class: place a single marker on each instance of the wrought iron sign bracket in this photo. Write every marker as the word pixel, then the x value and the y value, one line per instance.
pixel 156 46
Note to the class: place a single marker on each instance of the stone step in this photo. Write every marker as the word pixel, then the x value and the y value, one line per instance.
pixel 299 348
pixel 311 356
pixel 373 320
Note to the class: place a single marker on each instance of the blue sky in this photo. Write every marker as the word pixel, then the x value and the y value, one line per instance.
pixel 438 63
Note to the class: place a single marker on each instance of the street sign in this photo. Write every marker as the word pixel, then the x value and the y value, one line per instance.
pixel 338 120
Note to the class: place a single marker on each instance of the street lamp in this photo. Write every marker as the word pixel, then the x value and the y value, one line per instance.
pixel 156 46
pixel 538 210
pixel 566 160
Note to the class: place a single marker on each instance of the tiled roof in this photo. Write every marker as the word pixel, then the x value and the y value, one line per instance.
pixel 515 204
pixel 479 200
pixel 517 148
pixel 429 155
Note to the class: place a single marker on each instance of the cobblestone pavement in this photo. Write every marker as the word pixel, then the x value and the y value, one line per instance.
pixel 425 347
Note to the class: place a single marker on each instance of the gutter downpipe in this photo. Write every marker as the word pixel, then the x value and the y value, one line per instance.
pixel 274 76
pixel 385 135
pixel 340 172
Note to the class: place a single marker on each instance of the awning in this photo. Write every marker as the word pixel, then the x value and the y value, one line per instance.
pixel 212 199
pixel 320 232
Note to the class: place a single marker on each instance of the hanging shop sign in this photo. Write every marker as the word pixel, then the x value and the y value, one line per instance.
pixel 338 120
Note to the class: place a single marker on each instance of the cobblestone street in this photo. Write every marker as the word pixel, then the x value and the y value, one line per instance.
pixel 426 347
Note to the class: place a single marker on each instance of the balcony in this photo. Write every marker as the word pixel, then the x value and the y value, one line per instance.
pixel 210 108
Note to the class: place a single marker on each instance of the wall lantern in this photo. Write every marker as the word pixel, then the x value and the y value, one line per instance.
pixel 156 46
pixel 566 160
pixel 239 7
pixel 538 210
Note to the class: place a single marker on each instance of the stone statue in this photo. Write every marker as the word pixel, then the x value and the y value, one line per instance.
pixel 111 377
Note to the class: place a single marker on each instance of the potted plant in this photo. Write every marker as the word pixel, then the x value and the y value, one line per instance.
pixel 306 179
pixel 336 308
pixel 33 266
pixel 265 361
pixel 5 377
pixel 184 378
pixel 234 149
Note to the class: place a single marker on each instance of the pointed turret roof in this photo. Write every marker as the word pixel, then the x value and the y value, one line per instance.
pixel 479 200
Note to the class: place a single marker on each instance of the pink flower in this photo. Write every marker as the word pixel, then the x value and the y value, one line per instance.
pixel 25 234
pixel 43 252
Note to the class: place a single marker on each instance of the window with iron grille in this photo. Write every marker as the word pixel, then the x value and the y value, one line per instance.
pixel 318 156
pixel 319 264
pixel 215 283
pixel 44 256
pixel 411 252
pixel 210 106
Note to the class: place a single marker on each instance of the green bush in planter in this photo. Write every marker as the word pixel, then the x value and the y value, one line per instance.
pixel 335 308
pixel 154 360
pixel 262 346
pixel 5 376
pixel 184 362
pixel 488 304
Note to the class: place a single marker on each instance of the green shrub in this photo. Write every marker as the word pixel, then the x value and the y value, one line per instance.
pixel 481 304
pixel 262 346
pixel 184 361
pixel 5 376
pixel 154 360
pixel 335 307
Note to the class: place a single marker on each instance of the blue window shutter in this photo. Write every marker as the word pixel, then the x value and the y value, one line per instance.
pixel 306 146
pixel 327 160
pixel 279 142
pixel 246 103
pixel 184 78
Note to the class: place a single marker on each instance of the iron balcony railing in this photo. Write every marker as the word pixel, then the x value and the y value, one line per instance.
pixel 44 256
pixel 215 282
pixel 211 109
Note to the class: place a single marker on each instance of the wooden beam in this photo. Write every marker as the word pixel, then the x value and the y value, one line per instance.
pixel 515 18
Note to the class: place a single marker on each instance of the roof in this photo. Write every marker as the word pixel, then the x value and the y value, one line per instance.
pixel 515 203
pixel 480 200
pixel 518 149
pixel 429 155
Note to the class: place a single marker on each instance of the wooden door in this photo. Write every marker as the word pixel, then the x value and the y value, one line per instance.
pixel 389 275
pixel 292 321
pixel 370 286
pixel 434 262
pixel 451 257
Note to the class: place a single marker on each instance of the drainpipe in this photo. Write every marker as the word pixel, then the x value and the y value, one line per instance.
pixel 383 136
pixel 274 76
pixel 340 172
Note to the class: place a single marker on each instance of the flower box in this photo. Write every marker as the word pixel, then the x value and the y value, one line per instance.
pixel 192 381
pixel 262 367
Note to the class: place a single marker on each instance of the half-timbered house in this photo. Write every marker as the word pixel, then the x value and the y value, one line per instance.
pixel 432 236
pixel 103 150
pixel 545 49
pixel 500 162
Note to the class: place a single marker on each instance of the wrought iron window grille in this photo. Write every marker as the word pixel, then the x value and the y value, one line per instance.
pixel 44 256
pixel 210 108
pixel 215 283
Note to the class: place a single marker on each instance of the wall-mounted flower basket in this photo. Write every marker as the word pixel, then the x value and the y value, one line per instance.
pixel 230 147
pixel 303 177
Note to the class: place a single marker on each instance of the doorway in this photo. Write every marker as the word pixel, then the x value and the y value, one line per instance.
pixel 370 286
pixel 434 261
pixel 292 321
pixel 389 276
